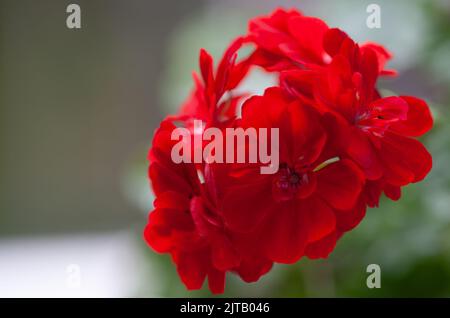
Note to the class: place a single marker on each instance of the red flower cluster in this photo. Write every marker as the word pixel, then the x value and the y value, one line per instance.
pixel 341 146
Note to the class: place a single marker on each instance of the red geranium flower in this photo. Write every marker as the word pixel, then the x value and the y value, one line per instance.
pixel 373 131
pixel 207 100
pixel 341 145
pixel 185 223
pixel 287 39
pixel 300 204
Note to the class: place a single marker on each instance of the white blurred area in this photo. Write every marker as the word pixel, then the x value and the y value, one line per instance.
pixel 107 265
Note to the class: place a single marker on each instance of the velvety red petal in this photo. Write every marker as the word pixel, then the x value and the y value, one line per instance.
pixel 157 235
pixel 392 192
pixel 285 233
pixel 224 256
pixel 332 41
pixel 165 179
pixel 383 56
pixel 372 192
pixel 206 67
pixel 216 281
pixel 418 119
pixel 369 72
pixel 405 160
pixel 323 247
pixel 340 184
pixel 309 33
pixel 164 174
pixel 264 111
pixel 361 150
pixel 269 61
pixel 390 108
pixel 169 216
pixel 247 203
pixel 347 220
pixel 299 83
pixel 228 73
pixel 209 227
pixel 335 90
pixel 252 268
pixel 192 268
pixel 269 32
pixel 174 200
pixel 303 132
pixel 320 218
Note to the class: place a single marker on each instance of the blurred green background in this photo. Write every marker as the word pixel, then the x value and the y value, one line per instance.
pixel 77 113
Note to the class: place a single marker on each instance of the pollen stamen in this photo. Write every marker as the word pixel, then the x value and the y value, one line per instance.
pixel 326 163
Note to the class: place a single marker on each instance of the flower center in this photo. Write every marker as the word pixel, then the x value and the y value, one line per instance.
pixel 289 184
pixel 294 179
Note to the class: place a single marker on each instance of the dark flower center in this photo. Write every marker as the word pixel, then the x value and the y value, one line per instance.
pixel 288 183
pixel 294 179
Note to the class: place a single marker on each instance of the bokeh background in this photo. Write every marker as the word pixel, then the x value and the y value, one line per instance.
pixel 78 109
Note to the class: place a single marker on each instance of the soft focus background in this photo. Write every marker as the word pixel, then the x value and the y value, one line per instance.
pixel 78 109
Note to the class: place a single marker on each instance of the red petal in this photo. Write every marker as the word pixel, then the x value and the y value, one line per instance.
pixel 157 235
pixel 383 56
pixel 269 61
pixel 264 111
pixel 164 179
pixel 361 150
pixel 247 203
pixel 172 200
pixel 392 192
pixel 192 268
pixel 383 113
pixel 252 268
pixel 269 32
pixel 418 121
pixel 168 218
pixel 369 72
pixel 340 184
pixel 321 219
pixel 223 255
pixel 390 108
pixel 285 233
pixel 303 133
pixel 405 160
pixel 372 192
pixel 206 67
pixel 347 220
pixel 323 247
pixel 333 40
pixel 216 281
pixel 309 33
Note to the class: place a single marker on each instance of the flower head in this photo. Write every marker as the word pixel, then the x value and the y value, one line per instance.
pixel 340 144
